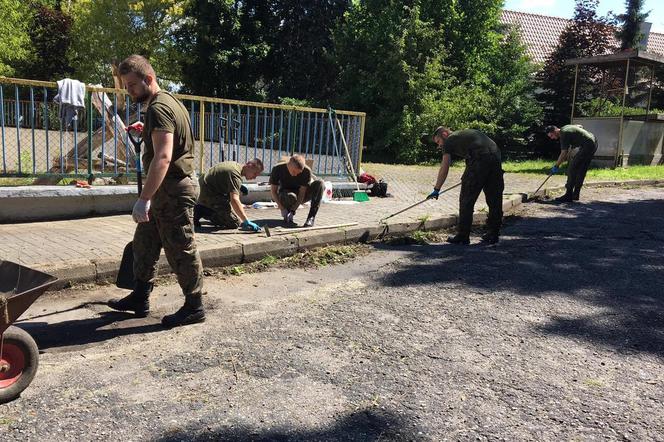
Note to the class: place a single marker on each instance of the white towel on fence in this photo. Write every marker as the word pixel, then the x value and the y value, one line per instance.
pixel 71 96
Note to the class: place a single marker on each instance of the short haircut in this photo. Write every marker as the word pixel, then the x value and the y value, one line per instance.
pixel 298 161
pixel 439 131
pixel 137 64
pixel 258 163
pixel 549 129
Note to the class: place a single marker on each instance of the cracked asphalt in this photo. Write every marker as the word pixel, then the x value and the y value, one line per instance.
pixel 556 333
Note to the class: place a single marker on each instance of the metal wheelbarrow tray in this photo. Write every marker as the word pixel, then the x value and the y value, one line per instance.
pixel 20 286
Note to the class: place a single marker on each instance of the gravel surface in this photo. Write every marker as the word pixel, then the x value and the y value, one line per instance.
pixel 556 333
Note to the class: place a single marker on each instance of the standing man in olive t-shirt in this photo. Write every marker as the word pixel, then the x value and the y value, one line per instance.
pixel 219 200
pixel 483 172
pixel 164 209
pixel 291 184
pixel 572 136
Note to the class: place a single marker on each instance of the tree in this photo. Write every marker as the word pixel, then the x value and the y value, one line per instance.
pixel 586 35
pixel 15 42
pixel 413 65
pixel 225 46
pixel 108 30
pixel 50 37
pixel 388 57
pixel 301 57
pixel 629 33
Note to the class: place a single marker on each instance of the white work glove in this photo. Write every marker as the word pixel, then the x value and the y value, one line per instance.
pixel 140 212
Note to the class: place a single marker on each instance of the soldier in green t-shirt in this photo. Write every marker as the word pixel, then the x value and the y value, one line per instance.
pixel 292 183
pixel 164 209
pixel 573 136
pixel 483 172
pixel 219 200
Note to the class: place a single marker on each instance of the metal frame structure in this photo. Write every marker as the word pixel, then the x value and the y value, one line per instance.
pixel 627 59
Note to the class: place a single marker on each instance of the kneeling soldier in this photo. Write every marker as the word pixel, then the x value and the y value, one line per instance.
pixel 292 183
pixel 219 199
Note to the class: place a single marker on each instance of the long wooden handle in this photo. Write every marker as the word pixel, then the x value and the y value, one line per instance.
pixel 348 158
pixel 282 231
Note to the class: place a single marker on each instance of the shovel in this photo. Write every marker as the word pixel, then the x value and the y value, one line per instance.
pixel 382 220
pixel 541 185
pixel 125 278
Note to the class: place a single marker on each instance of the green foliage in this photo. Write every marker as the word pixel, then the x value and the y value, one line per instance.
pixel 301 59
pixel 289 101
pixel 413 68
pixel 14 38
pixel 586 35
pixel 629 33
pixel 225 47
pixel 50 33
pixel 108 30
pixel 601 107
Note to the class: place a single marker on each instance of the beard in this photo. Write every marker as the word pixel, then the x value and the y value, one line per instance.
pixel 142 98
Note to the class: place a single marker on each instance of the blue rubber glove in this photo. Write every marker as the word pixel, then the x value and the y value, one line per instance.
pixel 250 225
pixel 554 170
pixel 244 190
pixel 434 194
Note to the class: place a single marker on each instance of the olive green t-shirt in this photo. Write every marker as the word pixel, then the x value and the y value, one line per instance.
pixel 221 179
pixel 469 143
pixel 282 178
pixel 572 136
pixel 166 113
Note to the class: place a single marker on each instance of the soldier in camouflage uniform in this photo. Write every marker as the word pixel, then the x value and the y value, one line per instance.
pixel 219 200
pixel 483 172
pixel 164 209
pixel 573 136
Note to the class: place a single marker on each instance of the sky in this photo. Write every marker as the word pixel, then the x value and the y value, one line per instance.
pixel 565 8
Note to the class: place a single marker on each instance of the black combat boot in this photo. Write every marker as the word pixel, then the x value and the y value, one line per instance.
pixel 458 239
pixel 491 237
pixel 566 198
pixel 138 301
pixel 576 194
pixel 190 313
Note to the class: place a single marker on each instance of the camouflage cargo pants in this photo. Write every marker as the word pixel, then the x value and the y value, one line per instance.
pixel 578 167
pixel 171 228
pixel 220 214
pixel 482 174
pixel 315 189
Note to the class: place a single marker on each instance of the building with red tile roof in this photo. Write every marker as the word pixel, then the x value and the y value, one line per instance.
pixel 540 33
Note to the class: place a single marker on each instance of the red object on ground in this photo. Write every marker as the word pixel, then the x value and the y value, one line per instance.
pixel 366 178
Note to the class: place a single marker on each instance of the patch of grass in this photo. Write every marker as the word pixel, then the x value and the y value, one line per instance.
pixel 542 167
pixel 315 258
pixel 421 237
pixel 27 181
pixel 596 383
pixel 325 256
pixel 628 173
pixel 6 421
pixel 529 166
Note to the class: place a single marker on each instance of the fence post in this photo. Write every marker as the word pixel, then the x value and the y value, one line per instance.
pixel 201 134
pixel 90 175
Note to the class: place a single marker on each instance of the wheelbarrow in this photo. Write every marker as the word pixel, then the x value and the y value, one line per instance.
pixel 20 286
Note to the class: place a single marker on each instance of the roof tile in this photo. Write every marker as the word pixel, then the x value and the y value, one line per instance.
pixel 540 33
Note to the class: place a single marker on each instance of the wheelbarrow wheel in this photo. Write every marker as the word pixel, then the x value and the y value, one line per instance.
pixel 18 363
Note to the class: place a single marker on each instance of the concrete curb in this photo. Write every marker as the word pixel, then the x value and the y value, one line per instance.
pixel 103 271
pixel 48 203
